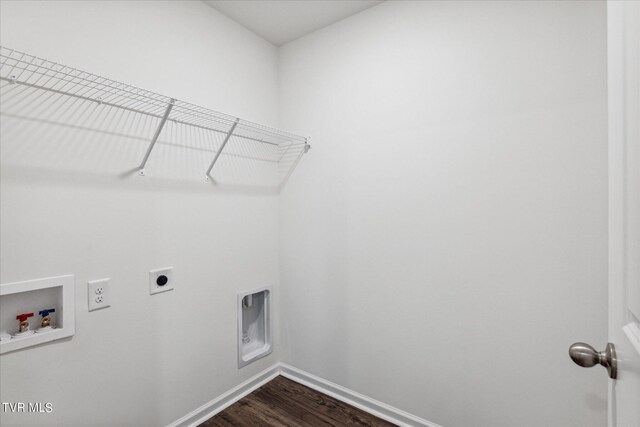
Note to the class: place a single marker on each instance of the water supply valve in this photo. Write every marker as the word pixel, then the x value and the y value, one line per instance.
pixel 24 325
pixel 46 319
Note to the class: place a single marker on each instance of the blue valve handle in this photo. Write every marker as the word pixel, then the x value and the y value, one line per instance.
pixel 45 313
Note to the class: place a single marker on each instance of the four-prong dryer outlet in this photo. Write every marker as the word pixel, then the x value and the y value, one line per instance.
pixel 160 280
pixel 254 325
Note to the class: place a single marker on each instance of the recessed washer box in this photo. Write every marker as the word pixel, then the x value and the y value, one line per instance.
pixel 254 325
pixel 32 296
pixel 161 280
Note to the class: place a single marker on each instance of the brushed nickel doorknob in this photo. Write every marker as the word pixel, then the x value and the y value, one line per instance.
pixel 586 356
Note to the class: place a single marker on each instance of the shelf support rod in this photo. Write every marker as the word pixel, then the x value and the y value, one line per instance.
pixel 156 135
pixel 226 139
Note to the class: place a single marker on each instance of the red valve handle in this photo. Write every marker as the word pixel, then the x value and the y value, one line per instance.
pixel 23 317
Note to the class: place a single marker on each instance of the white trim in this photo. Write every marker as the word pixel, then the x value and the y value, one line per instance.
pixel 227 399
pixel 632 331
pixel 343 394
pixel 360 401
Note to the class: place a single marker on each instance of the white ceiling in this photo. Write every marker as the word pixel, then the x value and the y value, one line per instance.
pixel 281 21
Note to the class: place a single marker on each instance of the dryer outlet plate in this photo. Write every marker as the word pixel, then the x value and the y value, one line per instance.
pixel 161 280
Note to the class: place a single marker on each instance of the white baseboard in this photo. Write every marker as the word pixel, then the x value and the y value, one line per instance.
pixel 360 401
pixel 227 399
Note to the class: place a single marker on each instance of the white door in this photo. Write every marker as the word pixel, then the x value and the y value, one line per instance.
pixel 624 209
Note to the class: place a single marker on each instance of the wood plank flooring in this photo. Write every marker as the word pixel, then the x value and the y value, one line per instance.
pixel 282 402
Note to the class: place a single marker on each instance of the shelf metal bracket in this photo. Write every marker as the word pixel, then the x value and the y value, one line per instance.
pixel 156 135
pixel 226 139
pixel 304 151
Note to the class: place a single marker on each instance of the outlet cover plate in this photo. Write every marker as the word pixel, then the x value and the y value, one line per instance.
pixel 98 293
pixel 154 287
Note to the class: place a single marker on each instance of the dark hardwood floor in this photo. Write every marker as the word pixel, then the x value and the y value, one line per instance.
pixel 283 402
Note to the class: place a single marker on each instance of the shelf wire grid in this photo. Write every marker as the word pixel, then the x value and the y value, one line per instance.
pixel 49 93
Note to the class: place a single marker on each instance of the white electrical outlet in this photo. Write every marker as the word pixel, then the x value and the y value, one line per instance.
pixel 161 280
pixel 98 291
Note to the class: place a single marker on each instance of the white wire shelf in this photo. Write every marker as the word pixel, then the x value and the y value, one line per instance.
pixel 42 91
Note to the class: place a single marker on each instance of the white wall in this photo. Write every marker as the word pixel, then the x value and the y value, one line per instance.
pixel 445 242
pixel 65 208
pixel 441 246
